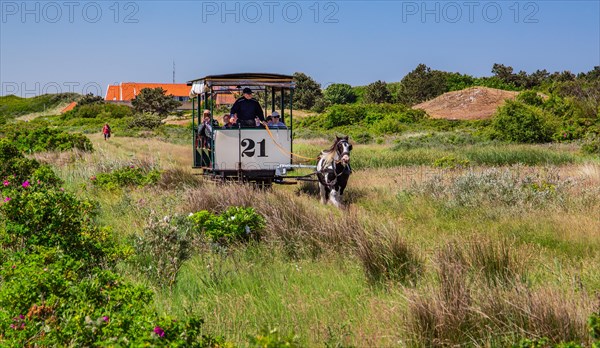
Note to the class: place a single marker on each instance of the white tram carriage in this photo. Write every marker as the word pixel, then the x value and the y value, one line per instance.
pixel 257 155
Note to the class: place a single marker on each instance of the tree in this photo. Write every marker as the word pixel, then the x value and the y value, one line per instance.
pixel 307 91
pixel 340 93
pixel 377 93
pixel 421 84
pixel 504 73
pixel 155 100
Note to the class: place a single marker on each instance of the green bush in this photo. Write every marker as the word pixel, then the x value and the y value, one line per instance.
pixel 37 137
pixel 39 215
pixel 46 300
pixel 126 176
pixel 13 166
pixel 518 122
pixel 451 162
pixel 591 145
pixel 530 98
pixel 360 137
pixel 98 110
pixel 57 284
pixel 343 115
pixel 366 114
pixel 234 224
pixel 146 121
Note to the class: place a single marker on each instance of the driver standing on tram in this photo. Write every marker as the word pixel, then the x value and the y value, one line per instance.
pixel 247 109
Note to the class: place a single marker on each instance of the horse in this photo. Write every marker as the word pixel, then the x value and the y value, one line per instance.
pixel 333 171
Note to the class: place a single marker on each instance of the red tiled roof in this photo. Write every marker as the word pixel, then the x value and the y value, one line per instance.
pixel 112 93
pixel 69 107
pixel 129 90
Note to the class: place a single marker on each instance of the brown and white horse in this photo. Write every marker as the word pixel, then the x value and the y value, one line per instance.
pixel 333 171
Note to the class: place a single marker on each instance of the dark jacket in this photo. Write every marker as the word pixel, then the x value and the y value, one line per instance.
pixel 247 109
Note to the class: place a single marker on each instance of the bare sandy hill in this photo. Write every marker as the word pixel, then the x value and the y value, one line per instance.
pixel 473 103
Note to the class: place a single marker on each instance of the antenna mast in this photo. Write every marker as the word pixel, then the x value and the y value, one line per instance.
pixel 173 71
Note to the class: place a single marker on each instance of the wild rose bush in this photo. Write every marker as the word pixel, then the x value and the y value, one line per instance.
pixel 46 300
pixel 57 284
pixel 37 137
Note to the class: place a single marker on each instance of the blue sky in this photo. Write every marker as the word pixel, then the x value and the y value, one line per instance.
pixel 85 45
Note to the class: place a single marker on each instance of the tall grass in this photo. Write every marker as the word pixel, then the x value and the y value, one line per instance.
pixel 476 257
pixel 465 309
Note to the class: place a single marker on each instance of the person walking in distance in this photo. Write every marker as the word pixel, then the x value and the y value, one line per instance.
pixel 106 131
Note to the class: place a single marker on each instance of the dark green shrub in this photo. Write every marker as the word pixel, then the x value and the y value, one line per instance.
pixel 522 123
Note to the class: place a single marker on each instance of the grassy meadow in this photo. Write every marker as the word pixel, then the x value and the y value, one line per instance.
pixel 478 244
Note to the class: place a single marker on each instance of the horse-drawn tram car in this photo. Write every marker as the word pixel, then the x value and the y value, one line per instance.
pixel 244 151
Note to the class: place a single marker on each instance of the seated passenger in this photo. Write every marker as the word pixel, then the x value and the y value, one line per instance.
pixel 275 123
pixel 205 131
pixel 227 124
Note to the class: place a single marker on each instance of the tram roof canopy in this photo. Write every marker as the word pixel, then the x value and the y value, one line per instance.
pixel 246 79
